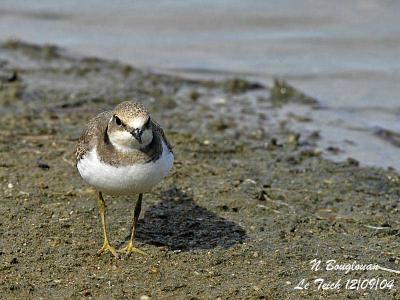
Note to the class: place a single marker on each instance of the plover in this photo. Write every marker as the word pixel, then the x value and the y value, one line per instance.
pixel 123 152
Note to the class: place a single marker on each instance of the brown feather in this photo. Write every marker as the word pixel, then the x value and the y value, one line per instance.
pixel 95 135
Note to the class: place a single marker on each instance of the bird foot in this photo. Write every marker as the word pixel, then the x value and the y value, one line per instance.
pixel 128 250
pixel 108 248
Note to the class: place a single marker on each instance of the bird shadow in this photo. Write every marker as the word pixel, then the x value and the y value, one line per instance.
pixel 179 224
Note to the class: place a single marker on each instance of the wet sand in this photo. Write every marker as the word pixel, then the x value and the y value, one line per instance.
pixel 241 216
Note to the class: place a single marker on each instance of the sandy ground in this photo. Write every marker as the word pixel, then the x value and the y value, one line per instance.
pixel 243 213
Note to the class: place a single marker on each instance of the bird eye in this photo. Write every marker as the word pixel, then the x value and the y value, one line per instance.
pixel 118 121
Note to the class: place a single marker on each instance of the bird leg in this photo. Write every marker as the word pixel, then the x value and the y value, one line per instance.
pixel 106 245
pixel 130 248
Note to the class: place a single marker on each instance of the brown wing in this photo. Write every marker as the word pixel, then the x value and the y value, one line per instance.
pixel 158 129
pixel 94 128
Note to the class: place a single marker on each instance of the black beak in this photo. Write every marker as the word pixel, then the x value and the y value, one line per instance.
pixel 137 134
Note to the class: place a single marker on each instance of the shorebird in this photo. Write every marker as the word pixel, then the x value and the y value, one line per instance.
pixel 123 152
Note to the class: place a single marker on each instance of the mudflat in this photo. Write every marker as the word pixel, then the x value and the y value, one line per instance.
pixel 244 212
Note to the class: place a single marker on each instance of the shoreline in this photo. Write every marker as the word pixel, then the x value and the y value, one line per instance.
pixel 242 215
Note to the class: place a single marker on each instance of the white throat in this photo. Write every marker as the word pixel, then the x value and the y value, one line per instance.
pixel 124 141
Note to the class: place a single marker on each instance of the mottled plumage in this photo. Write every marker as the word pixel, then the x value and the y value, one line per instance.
pixel 123 152
pixel 95 135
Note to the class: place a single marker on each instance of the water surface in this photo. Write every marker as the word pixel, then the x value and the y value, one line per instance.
pixel 344 53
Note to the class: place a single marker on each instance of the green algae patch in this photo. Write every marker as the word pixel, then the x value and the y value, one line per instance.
pixel 283 93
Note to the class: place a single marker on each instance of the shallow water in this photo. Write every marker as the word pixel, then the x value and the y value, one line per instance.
pixel 344 53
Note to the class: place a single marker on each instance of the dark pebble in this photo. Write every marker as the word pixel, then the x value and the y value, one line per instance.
pixel 43 166
pixel 353 162
pixel 13 77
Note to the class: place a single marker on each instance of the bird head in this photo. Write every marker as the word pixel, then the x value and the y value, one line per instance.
pixel 130 126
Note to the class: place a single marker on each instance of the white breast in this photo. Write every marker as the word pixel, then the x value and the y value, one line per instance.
pixel 138 178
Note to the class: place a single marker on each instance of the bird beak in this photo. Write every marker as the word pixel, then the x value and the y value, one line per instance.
pixel 137 134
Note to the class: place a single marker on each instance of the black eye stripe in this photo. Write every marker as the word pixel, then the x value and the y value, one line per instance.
pixel 119 122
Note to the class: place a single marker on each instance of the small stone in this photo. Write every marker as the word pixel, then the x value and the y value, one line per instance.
pixel 14 261
pixel 315 135
pixel 43 165
pixel 194 95
pixel 251 181
pixel 262 195
pixel 353 162
pixel 220 101
pixel 294 139
pixel 10 185
pixel 86 293
pixel 334 150
pixel 272 144
pixel 13 77
pixel 144 297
